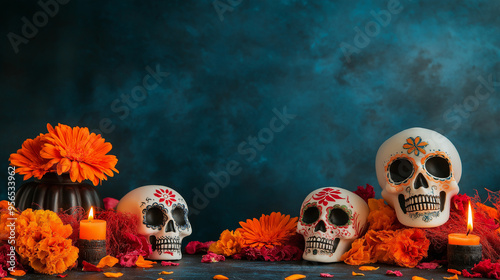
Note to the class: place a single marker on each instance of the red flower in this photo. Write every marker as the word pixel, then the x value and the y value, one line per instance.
pixel 211 258
pixel 365 193
pixel 165 195
pixel 327 195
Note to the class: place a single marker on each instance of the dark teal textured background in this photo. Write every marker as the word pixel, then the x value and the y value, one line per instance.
pixel 226 69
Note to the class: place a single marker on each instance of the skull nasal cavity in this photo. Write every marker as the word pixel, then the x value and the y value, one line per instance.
pixel 320 226
pixel 170 226
pixel 420 182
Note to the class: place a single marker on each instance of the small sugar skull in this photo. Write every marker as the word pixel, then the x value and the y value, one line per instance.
pixel 163 219
pixel 419 170
pixel 330 219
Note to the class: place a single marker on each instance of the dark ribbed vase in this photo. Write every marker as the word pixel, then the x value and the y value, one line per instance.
pixel 57 193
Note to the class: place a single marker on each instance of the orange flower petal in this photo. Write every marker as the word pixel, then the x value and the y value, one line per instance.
pixel 7 278
pixel 107 261
pixel 18 272
pixel 454 271
pixel 357 274
pixel 141 262
pixel 166 272
pixel 113 274
pixel 454 277
pixel 417 278
pixel 295 277
pixel 220 277
pixel 368 268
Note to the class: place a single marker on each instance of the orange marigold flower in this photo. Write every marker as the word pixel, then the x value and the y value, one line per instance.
pixel 28 161
pixel 80 153
pixel 409 247
pixel 270 230
pixel 490 211
pixel 6 216
pixel 360 253
pixel 54 255
pixel 42 240
pixel 229 243
pixel 381 216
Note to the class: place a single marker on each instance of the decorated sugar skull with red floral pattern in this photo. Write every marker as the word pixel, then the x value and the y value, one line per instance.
pixel 419 170
pixel 163 219
pixel 330 220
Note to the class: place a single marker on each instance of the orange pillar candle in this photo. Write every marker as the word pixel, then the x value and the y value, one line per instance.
pixel 464 249
pixel 463 239
pixel 92 229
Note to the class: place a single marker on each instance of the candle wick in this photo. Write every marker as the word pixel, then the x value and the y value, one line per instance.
pixel 468 231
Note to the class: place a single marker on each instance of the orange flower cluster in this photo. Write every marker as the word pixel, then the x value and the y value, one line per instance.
pixel 66 150
pixel 386 241
pixel 382 216
pixel 270 230
pixel 6 216
pixel 229 243
pixel 405 247
pixel 42 241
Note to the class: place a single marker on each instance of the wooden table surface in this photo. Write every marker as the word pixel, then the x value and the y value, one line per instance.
pixel 191 268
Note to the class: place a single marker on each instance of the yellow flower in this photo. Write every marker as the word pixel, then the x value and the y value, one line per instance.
pixel 229 243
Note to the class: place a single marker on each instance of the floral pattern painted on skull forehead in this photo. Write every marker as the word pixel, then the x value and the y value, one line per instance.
pixel 415 145
pixel 327 195
pixel 166 196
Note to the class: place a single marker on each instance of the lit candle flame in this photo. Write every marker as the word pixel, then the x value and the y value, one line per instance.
pixel 470 226
pixel 91 214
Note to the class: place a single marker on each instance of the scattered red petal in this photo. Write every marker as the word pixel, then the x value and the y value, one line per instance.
pixel 428 265
pixel 110 203
pixel 195 247
pixel 487 269
pixel 394 272
pixel 211 258
pixel 326 275
pixel 62 275
pixel 90 267
pixel 467 274
pixel 164 263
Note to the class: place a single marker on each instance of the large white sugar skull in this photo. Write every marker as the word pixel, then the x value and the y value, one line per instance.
pixel 330 219
pixel 163 218
pixel 419 170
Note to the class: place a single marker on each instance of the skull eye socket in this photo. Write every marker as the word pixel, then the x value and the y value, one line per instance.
pixel 178 215
pixel 338 217
pixel 400 170
pixel 438 166
pixel 154 216
pixel 311 215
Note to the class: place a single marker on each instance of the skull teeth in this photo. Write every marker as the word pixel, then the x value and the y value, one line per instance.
pixel 422 202
pixel 324 244
pixel 165 244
